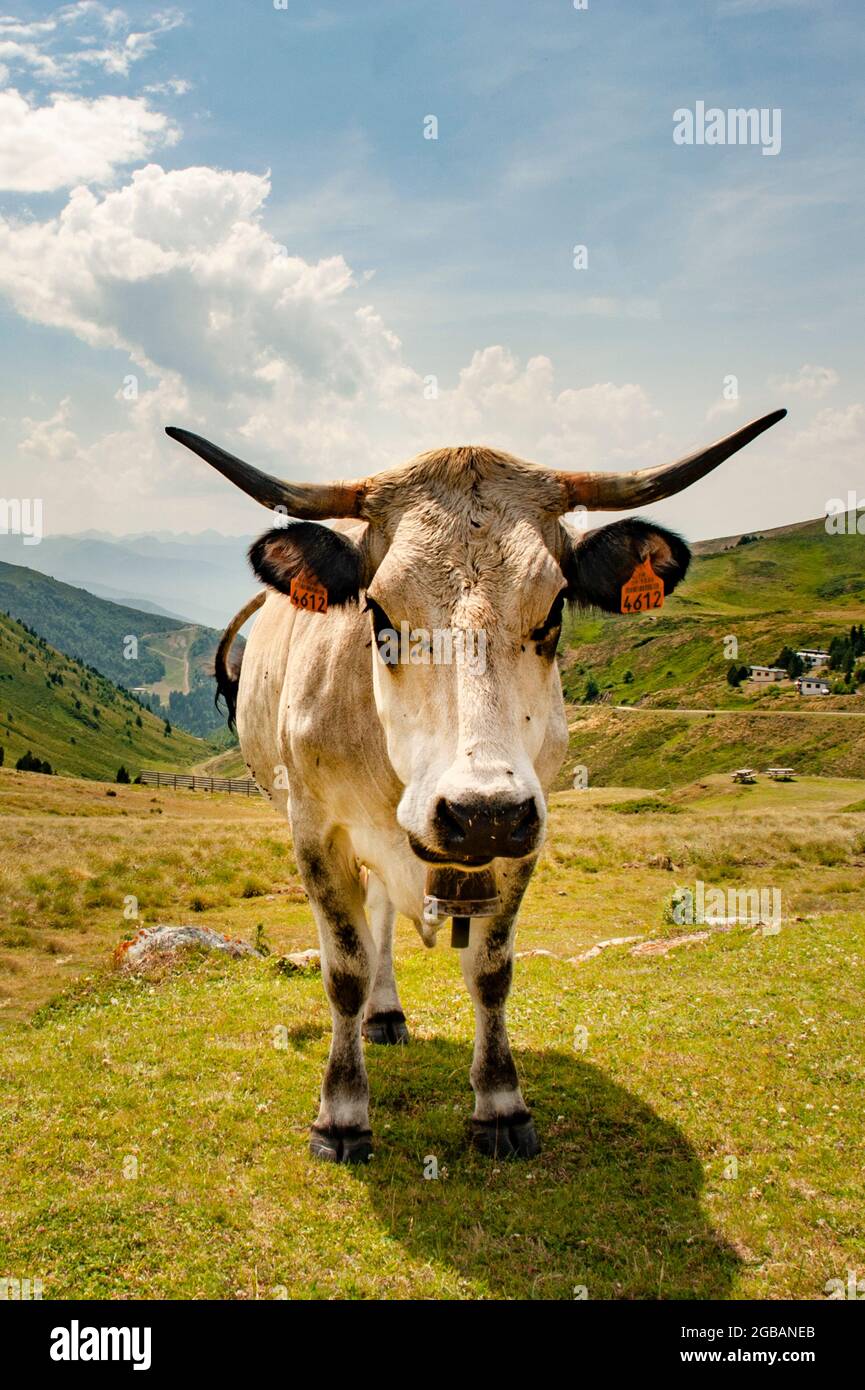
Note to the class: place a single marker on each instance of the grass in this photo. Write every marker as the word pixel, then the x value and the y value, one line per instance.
pixel 153 1135
pixel 650 747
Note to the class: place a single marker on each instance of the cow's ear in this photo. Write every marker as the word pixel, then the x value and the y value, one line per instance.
pixel 316 554
pixel 598 564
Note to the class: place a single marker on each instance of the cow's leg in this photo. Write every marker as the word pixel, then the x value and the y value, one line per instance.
pixel 341 1132
pixel 501 1126
pixel 383 1020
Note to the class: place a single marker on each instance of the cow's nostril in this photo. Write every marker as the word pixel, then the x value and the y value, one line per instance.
pixel 525 822
pixel 486 828
pixel 451 821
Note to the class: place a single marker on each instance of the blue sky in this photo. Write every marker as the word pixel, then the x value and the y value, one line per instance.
pixel 236 205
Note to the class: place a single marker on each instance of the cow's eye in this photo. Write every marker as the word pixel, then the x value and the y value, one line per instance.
pixel 552 622
pixel 385 633
pixel 380 620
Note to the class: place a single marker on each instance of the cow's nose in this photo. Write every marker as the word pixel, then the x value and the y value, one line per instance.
pixel 480 829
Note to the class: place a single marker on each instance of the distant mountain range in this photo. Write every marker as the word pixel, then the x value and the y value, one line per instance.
pixel 201 578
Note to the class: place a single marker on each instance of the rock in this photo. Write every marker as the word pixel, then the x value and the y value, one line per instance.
pixel 660 948
pixel 298 961
pixel 600 946
pixel 661 861
pixel 156 948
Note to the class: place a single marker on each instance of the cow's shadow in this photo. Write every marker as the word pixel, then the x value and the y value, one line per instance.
pixel 611 1208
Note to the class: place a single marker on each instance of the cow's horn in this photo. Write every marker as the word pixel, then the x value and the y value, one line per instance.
pixel 309 501
pixel 615 491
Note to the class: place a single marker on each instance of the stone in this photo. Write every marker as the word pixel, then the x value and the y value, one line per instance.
pixel 159 947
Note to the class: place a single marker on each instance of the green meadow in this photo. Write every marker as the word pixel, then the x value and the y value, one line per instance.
pixel 700 1108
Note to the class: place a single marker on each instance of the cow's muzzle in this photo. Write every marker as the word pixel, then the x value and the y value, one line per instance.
pixel 474 830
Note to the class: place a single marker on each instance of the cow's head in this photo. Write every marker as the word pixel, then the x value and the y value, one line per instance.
pixel 464 567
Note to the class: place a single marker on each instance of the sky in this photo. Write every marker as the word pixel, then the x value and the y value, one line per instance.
pixel 230 217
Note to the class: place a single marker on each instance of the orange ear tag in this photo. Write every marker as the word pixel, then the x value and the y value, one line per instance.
pixel 308 596
pixel 643 591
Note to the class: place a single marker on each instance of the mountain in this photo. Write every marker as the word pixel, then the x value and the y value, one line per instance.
pixel 170 661
pixel 205 579
pixel 76 719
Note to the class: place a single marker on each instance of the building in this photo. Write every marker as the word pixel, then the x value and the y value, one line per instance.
pixel 766 674
pixel 812 656
pixel 810 685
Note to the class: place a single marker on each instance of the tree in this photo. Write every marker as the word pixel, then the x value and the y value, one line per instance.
pixel 592 690
pixel 791 662
pixel 28 763
pixel 122 775
pixel 167 729
pixel 734 675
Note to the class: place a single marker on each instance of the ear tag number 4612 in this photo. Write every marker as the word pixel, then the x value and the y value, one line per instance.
pixel 308 596
pixel 643 591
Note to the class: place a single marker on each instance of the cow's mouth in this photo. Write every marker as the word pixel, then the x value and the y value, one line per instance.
pixel 437 856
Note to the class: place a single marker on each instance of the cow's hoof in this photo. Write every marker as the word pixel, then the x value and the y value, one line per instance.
pixel 387 1028
pixel 336 1145
pixel 509 1136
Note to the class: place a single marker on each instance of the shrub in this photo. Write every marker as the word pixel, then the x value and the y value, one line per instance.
pixel 28 763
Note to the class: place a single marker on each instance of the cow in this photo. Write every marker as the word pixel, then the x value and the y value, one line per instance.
pixel 391 770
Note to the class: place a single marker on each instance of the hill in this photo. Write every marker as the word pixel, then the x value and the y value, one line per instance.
pixel 74 717
pixel 665 712
pixel 795 587
pixel 171 662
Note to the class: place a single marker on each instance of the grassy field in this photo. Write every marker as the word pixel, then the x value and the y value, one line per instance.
pixel 706 1141
pixel 650 747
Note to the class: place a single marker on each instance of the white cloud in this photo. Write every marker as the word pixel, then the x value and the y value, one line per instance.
pixel 78 38
pixel 74 140
pixel 172 87
pixel 811 382
pixel 277 357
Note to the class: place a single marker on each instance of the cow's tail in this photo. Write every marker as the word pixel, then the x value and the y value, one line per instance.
pixel 227 675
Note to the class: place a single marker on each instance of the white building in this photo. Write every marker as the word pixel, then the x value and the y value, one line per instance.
pixel 766 674
pixel 812 656
pixel 810 685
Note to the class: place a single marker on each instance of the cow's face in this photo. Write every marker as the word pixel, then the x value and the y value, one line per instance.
pixel 465 569
pixel 470 541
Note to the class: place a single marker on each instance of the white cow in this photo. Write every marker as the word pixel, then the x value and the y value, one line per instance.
pixel 388 768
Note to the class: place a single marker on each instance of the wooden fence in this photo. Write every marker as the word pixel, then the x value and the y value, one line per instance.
pixel 196 783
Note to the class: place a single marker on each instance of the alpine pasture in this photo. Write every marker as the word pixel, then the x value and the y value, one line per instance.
pixel 699 1106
